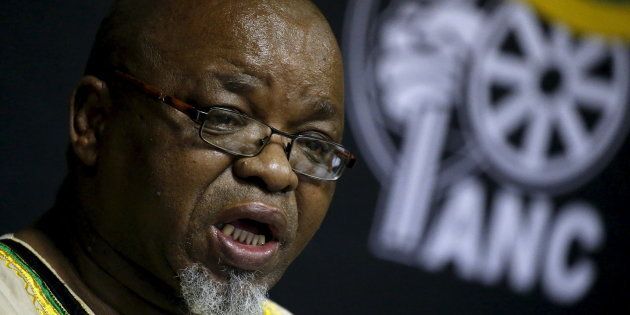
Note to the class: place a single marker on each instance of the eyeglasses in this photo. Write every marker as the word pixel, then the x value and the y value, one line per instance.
pixel 244 136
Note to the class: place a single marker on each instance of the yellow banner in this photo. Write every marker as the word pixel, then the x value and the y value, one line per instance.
pixel 610 18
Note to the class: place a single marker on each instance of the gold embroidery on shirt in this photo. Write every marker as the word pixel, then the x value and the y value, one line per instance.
pixel 40 296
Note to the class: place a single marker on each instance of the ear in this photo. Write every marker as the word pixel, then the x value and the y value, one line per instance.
pixel 90 105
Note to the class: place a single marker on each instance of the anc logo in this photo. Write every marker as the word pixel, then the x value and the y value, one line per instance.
pixel 481 119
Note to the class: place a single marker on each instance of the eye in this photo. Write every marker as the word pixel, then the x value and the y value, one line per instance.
pixel 223 121
pixel 314 146
pixel 316 150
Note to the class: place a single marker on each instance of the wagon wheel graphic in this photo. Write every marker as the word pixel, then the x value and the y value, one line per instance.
pixel 546 108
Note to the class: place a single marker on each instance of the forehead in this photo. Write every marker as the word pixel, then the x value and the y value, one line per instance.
pixel 263 35
pixel 286 43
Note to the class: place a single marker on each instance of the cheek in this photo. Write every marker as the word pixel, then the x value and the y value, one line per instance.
pixel 164 174
pixel 152 178
pixel 313 200
pixel 183 187
pixel 179 180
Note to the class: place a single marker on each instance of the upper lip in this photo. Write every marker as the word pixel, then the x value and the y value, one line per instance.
pixel 273 217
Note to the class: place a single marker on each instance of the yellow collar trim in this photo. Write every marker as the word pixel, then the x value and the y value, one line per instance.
pixel 43 300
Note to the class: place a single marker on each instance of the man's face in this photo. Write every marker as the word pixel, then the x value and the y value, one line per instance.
pixel 165 195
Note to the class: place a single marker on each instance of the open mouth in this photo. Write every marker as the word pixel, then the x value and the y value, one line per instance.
pixel 247 232
pixel 249 236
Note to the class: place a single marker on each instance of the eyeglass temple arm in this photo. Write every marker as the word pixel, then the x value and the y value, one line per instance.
pixel 158 95
pixel 348 156
pixel 351 159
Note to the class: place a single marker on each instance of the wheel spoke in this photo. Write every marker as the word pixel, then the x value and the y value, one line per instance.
pixel 561 43
pixel 594 92
pixel 572 129
pixel 589 51
pixel 530 34
pixel 505 68
pixel 537 140
pixel 512 111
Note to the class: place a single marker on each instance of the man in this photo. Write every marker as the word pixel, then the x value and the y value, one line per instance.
pixel 203 154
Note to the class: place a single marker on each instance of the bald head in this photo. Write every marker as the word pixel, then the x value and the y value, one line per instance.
pixel 144 34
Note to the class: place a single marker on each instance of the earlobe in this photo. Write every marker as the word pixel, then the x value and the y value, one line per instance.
pixel 90 104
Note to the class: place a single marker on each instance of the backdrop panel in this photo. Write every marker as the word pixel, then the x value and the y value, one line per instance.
pixel 492 138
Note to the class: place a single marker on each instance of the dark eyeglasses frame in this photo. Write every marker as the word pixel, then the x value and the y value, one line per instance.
pixel 199 116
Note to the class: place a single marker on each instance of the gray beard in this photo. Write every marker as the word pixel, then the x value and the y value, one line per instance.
pixel 204 295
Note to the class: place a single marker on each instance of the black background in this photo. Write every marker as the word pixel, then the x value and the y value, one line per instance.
pixel 45 45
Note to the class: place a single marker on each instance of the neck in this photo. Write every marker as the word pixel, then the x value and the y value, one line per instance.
pixel 106 279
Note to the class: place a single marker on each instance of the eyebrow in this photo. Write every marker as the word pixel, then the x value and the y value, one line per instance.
pixel 323 110
pixel 239 83
pixel 242 83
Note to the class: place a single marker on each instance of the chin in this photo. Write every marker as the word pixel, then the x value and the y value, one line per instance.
pixel 237 293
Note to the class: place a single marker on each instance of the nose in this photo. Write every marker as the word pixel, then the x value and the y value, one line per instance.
pixel 269 168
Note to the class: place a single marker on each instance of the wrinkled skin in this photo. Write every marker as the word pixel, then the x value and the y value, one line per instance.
pixel 156 188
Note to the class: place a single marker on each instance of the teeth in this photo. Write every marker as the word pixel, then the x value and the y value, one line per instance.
pixel 250 236
pixel 228 229
pixel 243 236
pixel 259 240
pixel 237 233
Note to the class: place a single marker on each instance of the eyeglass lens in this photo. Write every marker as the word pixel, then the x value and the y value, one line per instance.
pixel 242 135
